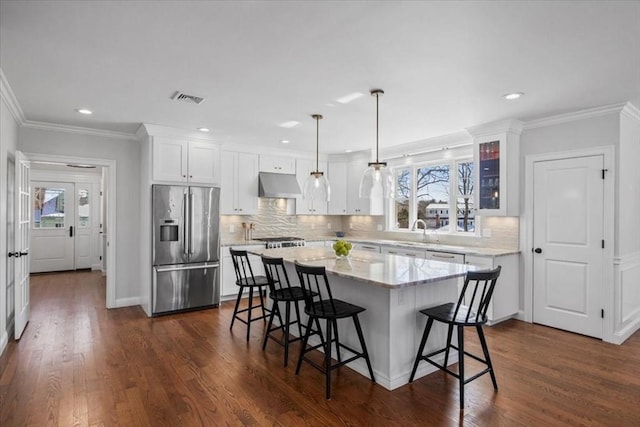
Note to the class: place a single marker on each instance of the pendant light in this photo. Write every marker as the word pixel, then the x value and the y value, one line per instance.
pixel 316 186
pixel 377 181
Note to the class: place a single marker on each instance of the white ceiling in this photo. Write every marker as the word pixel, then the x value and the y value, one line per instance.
pixel 443 65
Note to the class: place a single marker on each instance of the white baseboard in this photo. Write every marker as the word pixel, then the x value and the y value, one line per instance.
pixel 622 335
pixel 96 267
pixel 126 302
pixel 520 315
pixel 4 340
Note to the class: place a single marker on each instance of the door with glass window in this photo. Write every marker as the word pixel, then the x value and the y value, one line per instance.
pixel 53 226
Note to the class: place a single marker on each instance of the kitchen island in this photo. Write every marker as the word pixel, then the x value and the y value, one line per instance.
pixel 392 289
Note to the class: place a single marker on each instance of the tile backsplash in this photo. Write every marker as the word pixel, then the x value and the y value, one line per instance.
pixel 275 218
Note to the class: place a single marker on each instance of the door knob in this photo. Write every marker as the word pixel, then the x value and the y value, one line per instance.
pixel 538 250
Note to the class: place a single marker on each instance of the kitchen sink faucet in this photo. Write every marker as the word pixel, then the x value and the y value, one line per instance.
pixel 424 228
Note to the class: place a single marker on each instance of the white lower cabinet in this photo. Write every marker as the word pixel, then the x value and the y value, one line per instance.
pixel 228 287
pixel 367 247
pixel 395 250
pixel 315 244
pixel 445 257
pixel 504 304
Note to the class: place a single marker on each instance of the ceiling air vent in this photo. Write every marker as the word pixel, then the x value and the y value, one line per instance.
pixel 191 99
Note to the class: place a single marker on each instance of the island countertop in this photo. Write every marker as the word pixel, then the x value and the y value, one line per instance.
pixel 384 270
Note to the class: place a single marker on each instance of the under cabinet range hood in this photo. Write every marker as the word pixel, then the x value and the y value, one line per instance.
pixel 278 185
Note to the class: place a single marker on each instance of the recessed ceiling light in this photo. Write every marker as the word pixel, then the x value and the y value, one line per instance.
pixel 84 111
pixel 285 141
pixel 347 151
pixel 204 129
pixel 512 96
pixel 348 98
pixel 289 124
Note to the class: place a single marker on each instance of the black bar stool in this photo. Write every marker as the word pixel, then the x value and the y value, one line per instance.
pixel 476 293
pixel 320 304
pixel 282 291
pixel 246 279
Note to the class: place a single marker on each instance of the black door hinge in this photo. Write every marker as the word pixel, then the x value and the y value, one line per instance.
pixel 603 171
pixel 100 257
pixel 602 313
pixel 602 243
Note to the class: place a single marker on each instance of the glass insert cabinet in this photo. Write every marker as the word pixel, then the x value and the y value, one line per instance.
pixel 489 175
pixel 497 174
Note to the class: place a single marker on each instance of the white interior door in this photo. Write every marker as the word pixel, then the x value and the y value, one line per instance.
pixel 568 238
pixel 22 209
pixel 54 226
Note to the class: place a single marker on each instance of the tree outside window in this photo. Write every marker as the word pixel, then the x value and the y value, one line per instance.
pixel 432 195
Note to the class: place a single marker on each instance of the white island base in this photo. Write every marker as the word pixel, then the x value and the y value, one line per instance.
pixel 393 325
pixel 393 289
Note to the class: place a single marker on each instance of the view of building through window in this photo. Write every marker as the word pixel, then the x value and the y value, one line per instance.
pixel 83 208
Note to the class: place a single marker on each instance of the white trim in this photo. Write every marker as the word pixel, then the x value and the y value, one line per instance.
pixel 631 111
pixel 10 99
pixel 4 340
pixel 29 124
pixel 62 176
pixel 623 334
pixel 499 127
pixel 633 257
pixel 111 215
pixel 576 115
pixel 126 302
pixel 526 223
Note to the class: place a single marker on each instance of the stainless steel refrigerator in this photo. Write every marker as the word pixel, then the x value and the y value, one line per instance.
pixel 186 248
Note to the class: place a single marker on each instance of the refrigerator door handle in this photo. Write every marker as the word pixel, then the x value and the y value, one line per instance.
pixel 185 225
pixel 192 220
pixel 187 267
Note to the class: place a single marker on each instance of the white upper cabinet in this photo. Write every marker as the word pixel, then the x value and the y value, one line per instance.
pixel 497 175
pixel 181 160
pixel 277 164
pixel 304 167
pixel 337 176
pixel 239 188
pixel 355 204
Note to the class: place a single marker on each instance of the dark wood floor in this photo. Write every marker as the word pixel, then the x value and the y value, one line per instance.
pixel 80 364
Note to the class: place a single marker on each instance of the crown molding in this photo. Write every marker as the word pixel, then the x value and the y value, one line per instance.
pixel 29 124
pixel 10 99
pixel 492 128
pixel 631 111
pixel 576 115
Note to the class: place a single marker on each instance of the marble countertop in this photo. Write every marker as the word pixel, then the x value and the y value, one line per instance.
pixel 385 270
pixel 464 250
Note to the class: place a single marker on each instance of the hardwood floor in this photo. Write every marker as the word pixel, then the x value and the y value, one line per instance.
pixel 80 364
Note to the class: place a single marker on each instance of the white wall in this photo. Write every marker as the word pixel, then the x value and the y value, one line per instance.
pixel 126 155
pixel 8 144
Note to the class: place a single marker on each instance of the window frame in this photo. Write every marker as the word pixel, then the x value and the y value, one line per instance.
pixel 454 195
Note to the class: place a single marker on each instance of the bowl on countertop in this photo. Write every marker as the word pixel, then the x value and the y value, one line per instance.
pixel 339 233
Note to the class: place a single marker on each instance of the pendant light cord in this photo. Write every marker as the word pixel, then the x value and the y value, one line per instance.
pixel 317 142
pixel 377 124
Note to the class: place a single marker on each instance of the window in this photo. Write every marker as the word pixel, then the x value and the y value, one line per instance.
pixel 403 194
pixel 432 194
pixel 83 208
pixel 440 194
pixel 48 207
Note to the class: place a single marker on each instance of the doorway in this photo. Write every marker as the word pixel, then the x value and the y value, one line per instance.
pixel 107 207
pixel 569 230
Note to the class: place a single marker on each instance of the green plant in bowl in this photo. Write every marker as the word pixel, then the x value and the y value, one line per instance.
pixel 342 248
